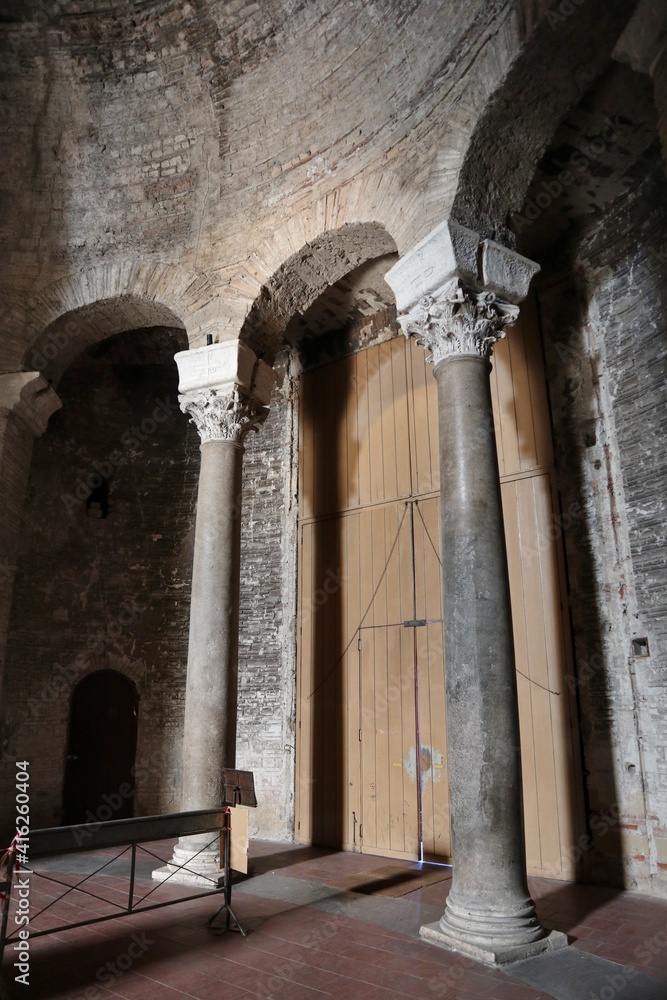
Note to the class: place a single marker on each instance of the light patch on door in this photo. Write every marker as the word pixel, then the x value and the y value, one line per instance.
pixel 432 765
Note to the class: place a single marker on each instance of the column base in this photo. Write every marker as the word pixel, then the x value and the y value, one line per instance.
pixel 191 867
pixel 491 954
pixel 495 936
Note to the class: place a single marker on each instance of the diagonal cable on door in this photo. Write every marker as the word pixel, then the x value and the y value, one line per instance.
pixel 531 680
pixel 368 608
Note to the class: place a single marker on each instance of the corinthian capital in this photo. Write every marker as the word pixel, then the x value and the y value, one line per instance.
pixel 456 291
pixel 225 389
pixel 457 320
pixel 223 415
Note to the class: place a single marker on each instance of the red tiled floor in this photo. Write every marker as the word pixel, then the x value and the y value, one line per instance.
pixel 298 952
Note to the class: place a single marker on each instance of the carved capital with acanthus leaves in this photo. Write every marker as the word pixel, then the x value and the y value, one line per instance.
pixel 225 389
pixel 223 414
pixel 457 320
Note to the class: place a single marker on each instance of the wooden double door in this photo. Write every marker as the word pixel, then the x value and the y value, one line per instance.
pixel 371 736
pixel 372 741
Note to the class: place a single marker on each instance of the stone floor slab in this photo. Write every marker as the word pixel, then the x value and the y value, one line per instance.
pixel 575 975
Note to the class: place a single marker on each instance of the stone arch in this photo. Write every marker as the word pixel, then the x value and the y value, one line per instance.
pixel 566 52
pixel 304 275
pixel 86 307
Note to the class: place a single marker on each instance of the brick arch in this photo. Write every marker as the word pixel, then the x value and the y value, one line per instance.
pixel 562 58
pixel 49 329
pixel 304 274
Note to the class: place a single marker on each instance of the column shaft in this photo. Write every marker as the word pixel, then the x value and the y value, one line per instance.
pixel 456 293
pixel 488 900
pixel 226 390
pixel 210 699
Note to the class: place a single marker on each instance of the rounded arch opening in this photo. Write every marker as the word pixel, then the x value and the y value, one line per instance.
pixel 68 336
pixel 562 58
pixel 99 780
pixel 105 560
pixel 305 276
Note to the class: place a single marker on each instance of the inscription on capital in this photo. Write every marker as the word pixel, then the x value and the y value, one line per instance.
pixel 457 320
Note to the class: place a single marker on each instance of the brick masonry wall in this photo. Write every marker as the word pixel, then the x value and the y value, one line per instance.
pixel 105 593
pixel 659 73
pixel 178 132
pixel 16 443
pixel 267 651
pixel 80 580
pixel 605 323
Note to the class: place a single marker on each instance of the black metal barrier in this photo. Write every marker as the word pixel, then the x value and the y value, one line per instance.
pixel 116 833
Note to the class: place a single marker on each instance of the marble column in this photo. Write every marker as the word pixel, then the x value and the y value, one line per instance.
pixel 225 390
pixel 456 293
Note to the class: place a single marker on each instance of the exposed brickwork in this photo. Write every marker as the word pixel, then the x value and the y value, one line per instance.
pixel 608 377
pixel 105 593
pixel 179 132
pixel 660 91
pixel 216 166
pixel 16 443
pixel 267 613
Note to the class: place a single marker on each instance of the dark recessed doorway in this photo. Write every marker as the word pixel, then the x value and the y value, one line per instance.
pixel 101 747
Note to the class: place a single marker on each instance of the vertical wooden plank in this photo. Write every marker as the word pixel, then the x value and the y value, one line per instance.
pixel 395 706
pixel 335 601
pixel 389 488
pixel 368 725
pixel 328 425
pixel 322 694
pixel 340 495
pixel 304 686
pixel 363 430
pixel 433 731
pixel 318 692
pixel 497 361
pixel 409 743
pixel 428 515
pixel 532 546
pixel 352 426
pixel 508 448
pixel 375 443
pixel 306 450
pixel 394 683
pixel 432 421
pixel 401 423
pixel 523 404
pixel 320 431
pixel 382 759
pixel 537 382
pixel 528 763
pixel 367 682
pixel 352 615
pixel 423 476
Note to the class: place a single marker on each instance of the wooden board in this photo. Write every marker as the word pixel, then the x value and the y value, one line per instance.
pixel 240 839
pixel 369 511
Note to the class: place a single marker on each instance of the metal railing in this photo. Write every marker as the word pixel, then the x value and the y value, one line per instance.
pixel 130 833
